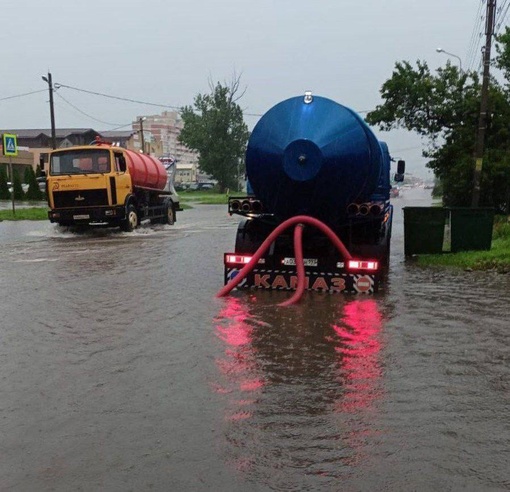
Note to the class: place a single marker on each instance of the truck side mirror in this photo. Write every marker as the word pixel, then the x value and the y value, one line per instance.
pixel 41 162
pixel 401 169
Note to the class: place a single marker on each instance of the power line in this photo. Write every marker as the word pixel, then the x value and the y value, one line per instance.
pixel 476 37
pixel 22 95
pixel 127 99
pixel 502 13
pixel 57 86
pixel 83 112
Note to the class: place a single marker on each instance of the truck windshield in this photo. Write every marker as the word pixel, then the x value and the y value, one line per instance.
pixel 80 162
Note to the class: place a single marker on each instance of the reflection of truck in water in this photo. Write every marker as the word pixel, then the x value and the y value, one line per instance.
pixel 313 157
pixel 106 185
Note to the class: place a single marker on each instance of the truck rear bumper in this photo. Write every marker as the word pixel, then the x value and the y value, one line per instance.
pixel 338 282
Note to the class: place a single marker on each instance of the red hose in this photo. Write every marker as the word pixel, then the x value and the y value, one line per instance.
pixel 300 267
pixel 298 219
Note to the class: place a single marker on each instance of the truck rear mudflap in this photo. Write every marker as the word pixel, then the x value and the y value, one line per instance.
pixel 364 280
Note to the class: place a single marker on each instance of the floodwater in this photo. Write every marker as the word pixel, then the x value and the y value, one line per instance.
pixel 120 370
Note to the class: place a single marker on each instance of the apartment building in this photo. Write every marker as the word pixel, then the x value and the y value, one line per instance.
pixel 165 128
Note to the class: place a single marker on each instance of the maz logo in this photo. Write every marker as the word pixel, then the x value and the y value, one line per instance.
pixel 79 198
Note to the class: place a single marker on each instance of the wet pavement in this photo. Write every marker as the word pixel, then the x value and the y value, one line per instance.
pixel 122 371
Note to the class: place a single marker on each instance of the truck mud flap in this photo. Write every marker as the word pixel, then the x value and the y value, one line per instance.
pixel 349 283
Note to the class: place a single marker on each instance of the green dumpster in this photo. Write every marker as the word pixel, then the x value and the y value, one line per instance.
pixel 471 228
pixel 423 230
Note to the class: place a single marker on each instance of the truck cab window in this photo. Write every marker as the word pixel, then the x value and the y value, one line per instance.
pixel 120 163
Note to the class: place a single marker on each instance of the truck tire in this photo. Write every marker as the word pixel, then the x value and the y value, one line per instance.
pixel 130 223
pixel 170 214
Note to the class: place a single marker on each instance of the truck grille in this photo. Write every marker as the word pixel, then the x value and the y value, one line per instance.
pixel 81 198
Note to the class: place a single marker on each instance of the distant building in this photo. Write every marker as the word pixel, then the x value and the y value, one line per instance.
pixel 38 141
pixel 186 173
pixel 165 128
pixel 161 134
pixel 122 138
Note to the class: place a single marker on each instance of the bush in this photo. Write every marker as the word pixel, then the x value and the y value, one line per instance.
pixel 34 193
pixel 501 227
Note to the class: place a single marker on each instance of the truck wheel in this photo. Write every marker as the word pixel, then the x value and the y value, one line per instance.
pixel 170 215
pixel 130 223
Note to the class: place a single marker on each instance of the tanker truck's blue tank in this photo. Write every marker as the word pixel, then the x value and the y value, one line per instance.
pixel 310 155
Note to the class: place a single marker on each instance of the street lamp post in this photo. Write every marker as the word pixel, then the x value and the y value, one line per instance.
pixel 441 50
pixel 52 110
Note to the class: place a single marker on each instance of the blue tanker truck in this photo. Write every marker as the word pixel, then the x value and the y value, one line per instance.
pixel 312 158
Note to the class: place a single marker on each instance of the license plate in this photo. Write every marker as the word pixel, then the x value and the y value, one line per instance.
pixel 311 262
pixel 81 217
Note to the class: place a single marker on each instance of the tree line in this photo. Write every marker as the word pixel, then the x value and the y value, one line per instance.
pixel 444 107
pixel 33 192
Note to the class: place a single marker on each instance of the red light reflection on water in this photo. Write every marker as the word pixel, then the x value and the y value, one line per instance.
pixel 358 347
pixel 238 363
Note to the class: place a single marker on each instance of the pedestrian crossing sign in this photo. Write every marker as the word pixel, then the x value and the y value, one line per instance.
pixel 9 145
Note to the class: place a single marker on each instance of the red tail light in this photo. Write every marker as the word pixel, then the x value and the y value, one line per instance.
pixel 371 265
pixel 237 259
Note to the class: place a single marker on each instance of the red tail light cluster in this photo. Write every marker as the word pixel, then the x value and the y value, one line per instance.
pixel 237 259
pixel 371 265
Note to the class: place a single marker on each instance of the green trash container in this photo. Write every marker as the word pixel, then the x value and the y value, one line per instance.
pixel 471 228
pixel 423 230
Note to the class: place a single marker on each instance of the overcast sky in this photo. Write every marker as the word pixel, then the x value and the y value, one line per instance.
pixel 164 51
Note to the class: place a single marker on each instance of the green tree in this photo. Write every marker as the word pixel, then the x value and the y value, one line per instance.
pixel 4 188
pixel 214 126
pixel 26 174
pixel 443 107
pixel 33 193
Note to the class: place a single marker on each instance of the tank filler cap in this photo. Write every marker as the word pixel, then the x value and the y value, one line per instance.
pixel 308 97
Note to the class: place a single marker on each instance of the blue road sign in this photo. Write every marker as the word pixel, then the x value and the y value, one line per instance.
pixel 9 145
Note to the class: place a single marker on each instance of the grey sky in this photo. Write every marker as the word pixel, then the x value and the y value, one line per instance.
pixel 164 51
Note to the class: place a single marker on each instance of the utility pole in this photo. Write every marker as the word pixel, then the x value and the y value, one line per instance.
pixel 141 120
pixel 52 110
pixel 482 121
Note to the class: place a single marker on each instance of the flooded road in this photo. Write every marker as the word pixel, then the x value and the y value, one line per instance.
pixel 121 371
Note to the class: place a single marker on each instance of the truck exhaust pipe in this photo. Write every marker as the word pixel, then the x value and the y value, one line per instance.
pixel 353 209
pixel 256 206
pixel 364 209
pixel 376 209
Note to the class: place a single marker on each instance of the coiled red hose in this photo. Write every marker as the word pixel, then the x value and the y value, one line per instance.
pixel 298 220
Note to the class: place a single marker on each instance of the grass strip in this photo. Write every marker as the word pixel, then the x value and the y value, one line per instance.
pixel 32 213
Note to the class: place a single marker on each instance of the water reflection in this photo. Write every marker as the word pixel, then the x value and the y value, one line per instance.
pixel 359 345
pixel 302 385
